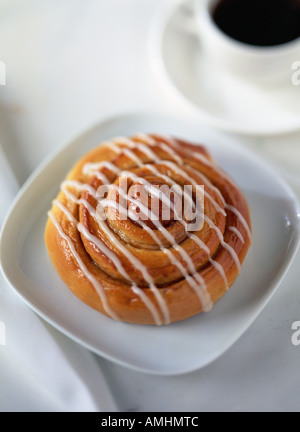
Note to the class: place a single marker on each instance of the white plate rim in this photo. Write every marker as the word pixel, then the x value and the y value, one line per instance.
pixel 64 147
pixel 155 36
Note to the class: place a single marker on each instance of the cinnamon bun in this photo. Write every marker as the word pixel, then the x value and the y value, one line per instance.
pixel 148 229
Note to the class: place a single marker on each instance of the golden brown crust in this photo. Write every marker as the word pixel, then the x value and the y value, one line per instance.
pixel 126 291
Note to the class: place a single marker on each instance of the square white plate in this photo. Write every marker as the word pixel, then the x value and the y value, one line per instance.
pixel 180 347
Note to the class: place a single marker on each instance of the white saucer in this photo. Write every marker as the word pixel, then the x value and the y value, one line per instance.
pixel 181 347
pixel 221 100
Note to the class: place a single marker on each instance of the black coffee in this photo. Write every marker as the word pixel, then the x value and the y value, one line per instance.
pixel 259 22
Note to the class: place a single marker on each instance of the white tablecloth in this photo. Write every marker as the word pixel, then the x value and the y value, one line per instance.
pixel 70 63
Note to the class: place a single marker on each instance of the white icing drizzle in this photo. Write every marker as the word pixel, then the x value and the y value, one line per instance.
pixel 144 137
pixel 82 187
pixel 148 152
pixel 65 211
pixel 202 158
pixel 237 233
pixel 202 293
pixel 110 254
pixel 186 177
pixel 196 155
pixel 68 194
pixel 100 176
pixel 132 259
pixel 214 263
pixel 218 267
pixel 91 168
pixel 113 257
pixel 114 147
pixel 218 208
pixel 138 265
pixel 200 288
pixel 211 224
pixel 191 275
pixel 133 157
pixel 194 183
pixel 241 219
pixel 202 245
pixel 124 141
pixel 171 153
pixel 95 283
pixel 223 243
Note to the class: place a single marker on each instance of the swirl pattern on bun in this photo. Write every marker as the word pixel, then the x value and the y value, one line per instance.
pixel 148 229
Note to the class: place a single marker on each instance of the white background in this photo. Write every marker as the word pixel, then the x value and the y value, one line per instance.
pixel 69 64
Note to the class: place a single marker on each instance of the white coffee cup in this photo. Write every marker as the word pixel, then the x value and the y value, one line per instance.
pixel 259 64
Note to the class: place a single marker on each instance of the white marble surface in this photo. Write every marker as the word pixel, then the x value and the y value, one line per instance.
pixel 70 63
